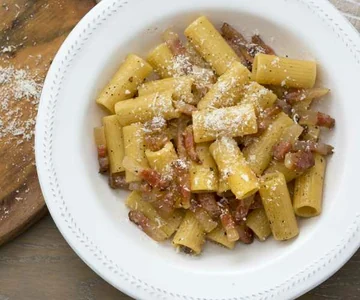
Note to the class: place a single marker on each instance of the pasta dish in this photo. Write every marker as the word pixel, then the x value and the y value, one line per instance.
pixel 222 146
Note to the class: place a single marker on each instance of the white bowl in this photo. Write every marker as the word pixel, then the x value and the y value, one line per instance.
pixel 93 218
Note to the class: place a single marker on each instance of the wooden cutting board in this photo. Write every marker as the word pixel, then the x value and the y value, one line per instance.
pixel 31 31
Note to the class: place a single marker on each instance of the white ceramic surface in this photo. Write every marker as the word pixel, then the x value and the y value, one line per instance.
pixel 93 218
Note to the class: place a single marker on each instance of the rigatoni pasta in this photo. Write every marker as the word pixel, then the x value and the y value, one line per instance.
pixel 134 147
pixel 125 82
pixel 115 143
pixel 145 108
pixel 242 180
pixel 204 176
pixel 227 90
pixel 182 87
pixel 211 45
pixel 271 69
pixel 230 121
pixel 278 208
pixel 211 149
pixel 308 190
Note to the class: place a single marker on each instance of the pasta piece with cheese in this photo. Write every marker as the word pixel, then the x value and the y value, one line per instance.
pixel 204 177
pixel 278 207
pixel 223 182
pixel 169 226
pixel 218 235
pixel 161 160
pixel 190 236
pixel 308 191
pixel 114 143
pixel 211 45
pixel 227 90
pixel 259 96
pixel 229 121
pixel 271 69
pixel 124 83
pixel 258 222
pixel 145 108
pixel 163 62
pixel 227 155
pixel 181 85
pixel 259 153
pixel 134 148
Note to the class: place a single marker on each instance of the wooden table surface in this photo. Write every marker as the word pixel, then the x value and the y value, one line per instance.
pixel 40 265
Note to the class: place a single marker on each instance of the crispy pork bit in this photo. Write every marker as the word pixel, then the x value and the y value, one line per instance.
pixel 102 151
pixel 281 149
pixel 320 148
pixel 202 216
pixel 299 161
pixel 103 164
pixel 314 118
pixel 260 45
pixel 246 235
pixel 230 34
pixel 266 117
pixel 238 52
pixel 179 139
pixel 324 120
pixel 117 181
pixel 242 209
pixel 156 141
pixel 165 205
pixel 185 108
pixel 103 159
pixel 285 107
pixel 228 221
pixel 257 203
pixel 189 144
pixel 154 178
pixel 147 226
pixel 208 202
pixel 302 94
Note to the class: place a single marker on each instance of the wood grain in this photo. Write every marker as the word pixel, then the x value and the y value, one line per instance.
pixel 34 30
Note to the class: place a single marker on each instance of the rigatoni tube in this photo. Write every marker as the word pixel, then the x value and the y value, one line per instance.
pixel 227 90
pixel 162 160
pixel 218 235
pixel 124 83
pixel 204 177
pixel 134 148
pixel 309 189
pixel 190 235
pixel 227 155
pixel 271 69
pixel 258 222
pixel 163 62
pixel 278 207
pixel 114 143
pixel 145 108
pixel 259 153
pixel 211 45
pixel 259 96
pixel 229 121
pixel 181 85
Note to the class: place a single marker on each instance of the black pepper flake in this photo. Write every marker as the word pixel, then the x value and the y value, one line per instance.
pixel 131 79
